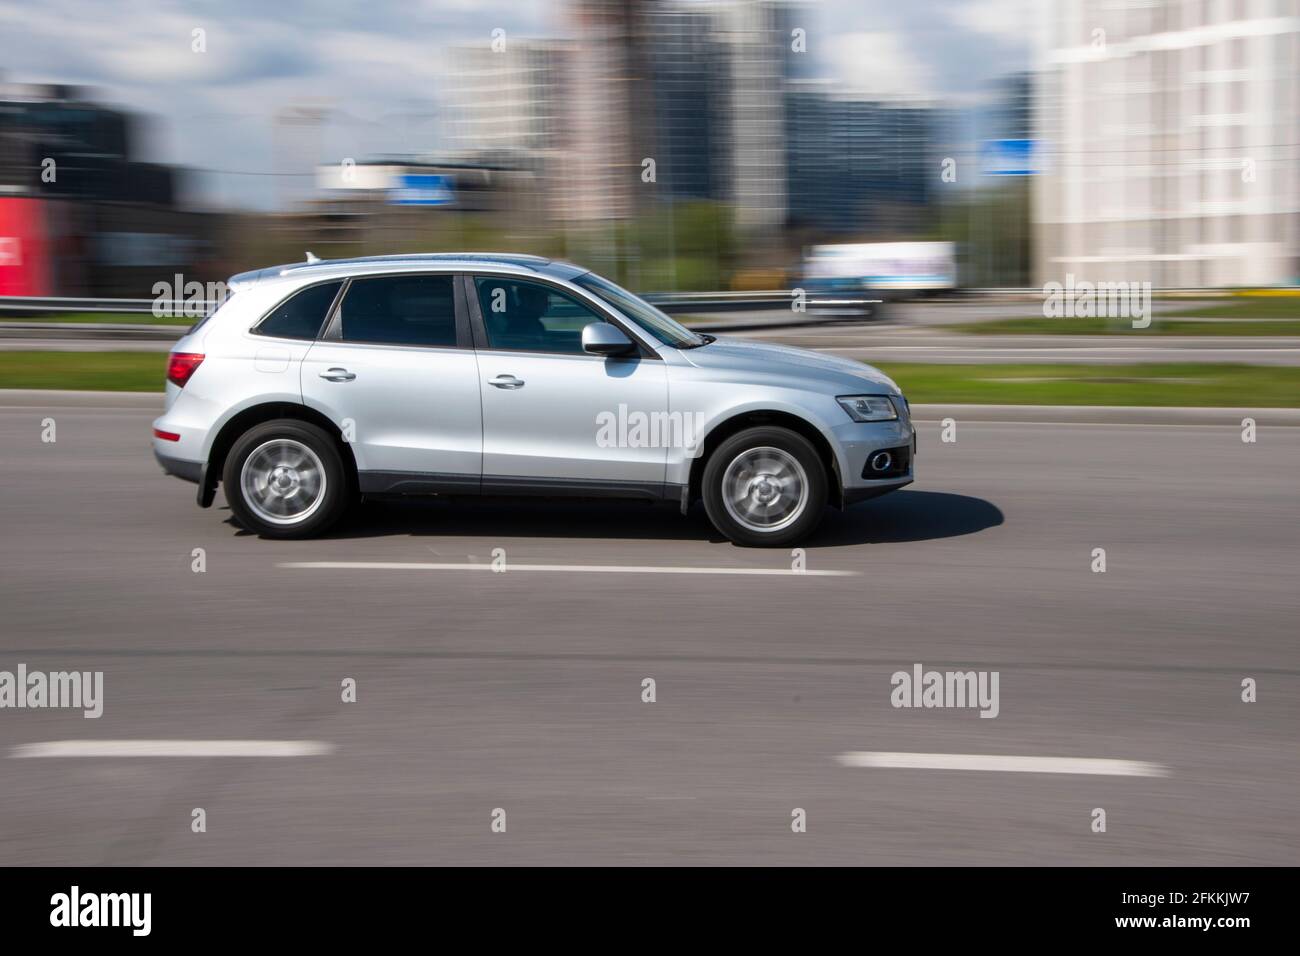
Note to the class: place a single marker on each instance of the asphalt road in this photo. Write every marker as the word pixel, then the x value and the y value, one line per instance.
pixel 522 690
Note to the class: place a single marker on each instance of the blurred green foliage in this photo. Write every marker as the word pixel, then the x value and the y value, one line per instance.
pixel 1185 384
pixel 671 246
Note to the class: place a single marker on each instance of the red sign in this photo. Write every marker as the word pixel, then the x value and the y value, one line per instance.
pixel 24 248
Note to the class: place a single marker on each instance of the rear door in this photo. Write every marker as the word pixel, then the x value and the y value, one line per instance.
pixel 396 371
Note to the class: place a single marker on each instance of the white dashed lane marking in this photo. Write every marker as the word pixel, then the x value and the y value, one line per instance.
pixel 1005 764
pixel 570 568
pixel 174 748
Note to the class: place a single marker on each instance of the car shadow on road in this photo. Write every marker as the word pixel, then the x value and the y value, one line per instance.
pixel 907 515
pixel 898 517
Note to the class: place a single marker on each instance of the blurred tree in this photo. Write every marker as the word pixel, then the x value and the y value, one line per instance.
pixel 991 227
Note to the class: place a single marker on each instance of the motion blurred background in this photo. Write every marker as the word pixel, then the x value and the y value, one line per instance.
pixel 956 154
pixel 672 144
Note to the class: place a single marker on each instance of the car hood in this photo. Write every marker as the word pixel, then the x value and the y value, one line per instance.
pixel 821 368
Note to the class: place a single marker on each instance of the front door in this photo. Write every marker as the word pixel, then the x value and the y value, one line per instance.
pixel 555 417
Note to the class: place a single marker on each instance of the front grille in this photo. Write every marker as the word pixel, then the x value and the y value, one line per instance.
pixel 900 462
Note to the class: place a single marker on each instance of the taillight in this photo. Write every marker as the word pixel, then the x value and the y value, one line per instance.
pixel 181 365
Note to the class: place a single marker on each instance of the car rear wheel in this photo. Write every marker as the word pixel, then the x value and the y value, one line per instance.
pixel 765 486
pixel 285 479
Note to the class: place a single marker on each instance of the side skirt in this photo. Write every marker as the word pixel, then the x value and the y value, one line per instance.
pixel 420 483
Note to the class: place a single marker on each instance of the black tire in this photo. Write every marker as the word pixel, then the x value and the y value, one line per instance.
pixel 801 520
pixel 326 506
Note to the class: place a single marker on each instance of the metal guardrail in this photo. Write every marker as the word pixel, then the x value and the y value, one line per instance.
pixel 669 301
pixel 183 309
pixel 196 309
pixel 24 314
pixel 767 299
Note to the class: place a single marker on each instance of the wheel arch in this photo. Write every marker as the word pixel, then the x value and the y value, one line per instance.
pixel 258 414
pixel 775 417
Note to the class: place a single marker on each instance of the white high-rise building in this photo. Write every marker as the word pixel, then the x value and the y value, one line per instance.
pixel 1169 134
pixel 508 107
pixel 507 100
pixel 758 37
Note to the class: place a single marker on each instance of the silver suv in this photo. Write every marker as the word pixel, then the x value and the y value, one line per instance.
pixel 322 382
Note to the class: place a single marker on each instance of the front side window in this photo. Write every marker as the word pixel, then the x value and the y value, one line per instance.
pixel 400 310
pixel 300 316
pixel 666 330
pixel 531 317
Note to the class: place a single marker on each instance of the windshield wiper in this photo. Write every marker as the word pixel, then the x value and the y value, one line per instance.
pixel 707 339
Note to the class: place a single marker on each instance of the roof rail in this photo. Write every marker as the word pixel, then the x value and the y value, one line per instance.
pixel 509 258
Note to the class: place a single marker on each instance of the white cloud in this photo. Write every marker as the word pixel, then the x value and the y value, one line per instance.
pixel 879 65
pixel 996 18
pixel 376 68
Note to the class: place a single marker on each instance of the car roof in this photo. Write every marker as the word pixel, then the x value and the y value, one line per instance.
pixel 410 262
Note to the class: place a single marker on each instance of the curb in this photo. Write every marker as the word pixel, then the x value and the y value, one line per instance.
pixel 92 332
pixel 1106 415
pixel 58 398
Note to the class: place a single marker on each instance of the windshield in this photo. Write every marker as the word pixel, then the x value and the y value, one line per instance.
pixel 643 313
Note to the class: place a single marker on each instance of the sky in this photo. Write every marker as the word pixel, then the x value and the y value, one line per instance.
pixel 377 67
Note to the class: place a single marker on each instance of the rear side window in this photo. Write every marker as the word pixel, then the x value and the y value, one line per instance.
pixel 400 310
pixel 301 316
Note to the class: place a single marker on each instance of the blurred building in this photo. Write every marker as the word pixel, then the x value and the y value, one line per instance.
pixel 509 101
pixel 375 203
pixel 1012 112
pixel 689 87
pixel 608 98
pixel 507 113
pixel 696 87
pixel 79 214
pixel 1170 135
pixel 86 145
pixel 758 36
pixel 857 167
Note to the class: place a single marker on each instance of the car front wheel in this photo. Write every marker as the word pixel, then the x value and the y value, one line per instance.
pixel 285 479
pixel 765 486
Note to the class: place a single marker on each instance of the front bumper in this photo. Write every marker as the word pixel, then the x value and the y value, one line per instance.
pixel 851 496
pixel 858 443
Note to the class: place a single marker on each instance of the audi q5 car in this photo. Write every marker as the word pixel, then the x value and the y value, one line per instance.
pixel 319 383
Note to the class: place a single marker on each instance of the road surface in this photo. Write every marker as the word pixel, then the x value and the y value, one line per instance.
pixel 522 691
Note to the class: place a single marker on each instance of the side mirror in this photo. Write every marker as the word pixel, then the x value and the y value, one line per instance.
pixel 604 338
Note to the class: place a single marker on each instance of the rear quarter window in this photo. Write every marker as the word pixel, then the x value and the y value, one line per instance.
pixel 301 315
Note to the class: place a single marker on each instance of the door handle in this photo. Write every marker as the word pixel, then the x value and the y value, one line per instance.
pixel 338 375
pixel 506 381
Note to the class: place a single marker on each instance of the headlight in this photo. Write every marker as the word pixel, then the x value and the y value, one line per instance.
pixel 869 408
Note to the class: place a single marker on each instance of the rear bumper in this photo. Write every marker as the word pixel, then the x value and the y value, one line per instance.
pixel 179 467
